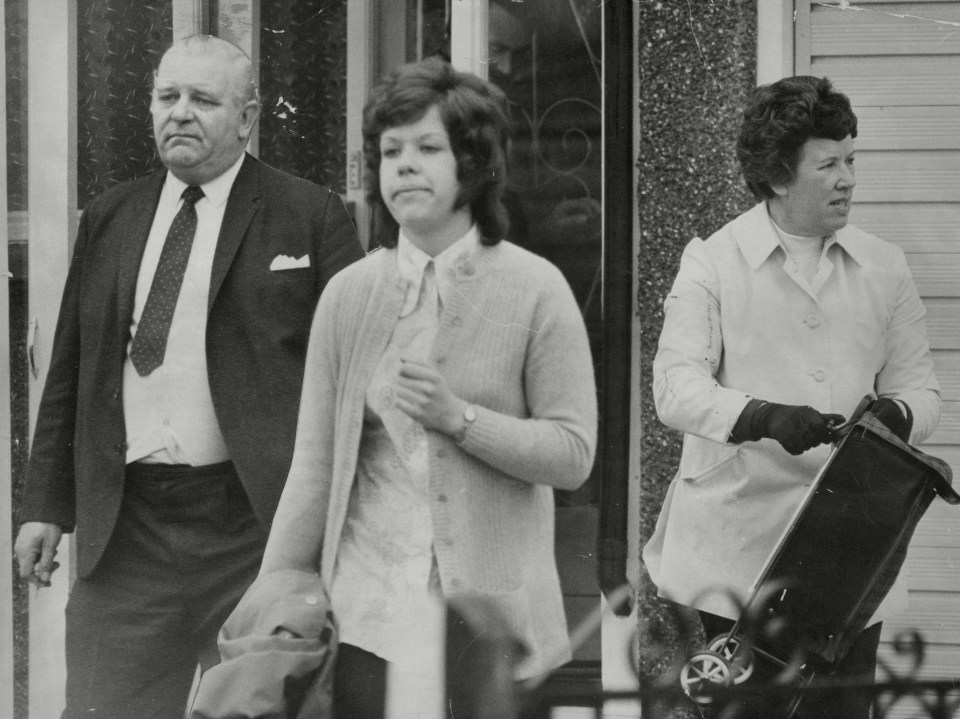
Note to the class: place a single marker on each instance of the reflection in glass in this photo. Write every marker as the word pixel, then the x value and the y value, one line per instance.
pixel 545 55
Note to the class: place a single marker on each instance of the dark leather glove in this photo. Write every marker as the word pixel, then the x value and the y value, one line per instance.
pixel 797 429
pixel 890 413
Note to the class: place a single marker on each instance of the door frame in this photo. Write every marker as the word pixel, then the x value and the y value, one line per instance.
pixel 6 468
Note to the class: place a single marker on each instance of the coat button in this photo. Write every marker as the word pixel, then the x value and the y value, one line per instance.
pixel 456 322
pixel 819 375
pixel 120 448
pixel 812 321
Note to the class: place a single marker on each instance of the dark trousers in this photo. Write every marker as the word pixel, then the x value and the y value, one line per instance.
pixel 860 663
pixel 359 684
pixel 185 548
pixel 360 688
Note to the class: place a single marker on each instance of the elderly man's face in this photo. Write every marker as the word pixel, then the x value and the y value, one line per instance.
pixel 200 120
pixel 817 201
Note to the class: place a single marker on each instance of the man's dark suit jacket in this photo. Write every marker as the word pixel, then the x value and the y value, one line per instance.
pixel 257 328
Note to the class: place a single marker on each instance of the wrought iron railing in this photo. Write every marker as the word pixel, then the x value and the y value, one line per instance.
pixel 904 696
pixel 906 693
pixel 921 699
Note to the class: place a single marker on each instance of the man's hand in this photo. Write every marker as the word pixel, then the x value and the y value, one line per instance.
pixel 423 394
pixel 797 429
pixel 35 548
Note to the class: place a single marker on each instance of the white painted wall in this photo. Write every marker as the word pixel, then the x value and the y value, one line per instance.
pixel 52 192
pixel 900 65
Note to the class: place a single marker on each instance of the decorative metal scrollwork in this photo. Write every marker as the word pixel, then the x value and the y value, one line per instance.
pixel 575 146
pixel 712 681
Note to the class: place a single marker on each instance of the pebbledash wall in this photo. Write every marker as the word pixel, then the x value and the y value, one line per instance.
pixel 697 64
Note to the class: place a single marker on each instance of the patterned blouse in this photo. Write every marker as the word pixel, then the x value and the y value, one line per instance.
pixel 386 582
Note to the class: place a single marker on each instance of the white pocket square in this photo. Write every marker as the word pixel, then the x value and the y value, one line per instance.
pixel 286 262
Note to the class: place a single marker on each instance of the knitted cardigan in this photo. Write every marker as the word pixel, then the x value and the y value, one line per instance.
pixel 512 342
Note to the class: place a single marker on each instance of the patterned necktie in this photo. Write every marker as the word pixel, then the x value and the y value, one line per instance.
pixel 150 343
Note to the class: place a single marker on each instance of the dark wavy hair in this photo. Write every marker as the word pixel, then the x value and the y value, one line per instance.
pixel 474 114
pixel 779 118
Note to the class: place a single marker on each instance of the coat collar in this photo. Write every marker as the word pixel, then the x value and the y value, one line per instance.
pixel 757 238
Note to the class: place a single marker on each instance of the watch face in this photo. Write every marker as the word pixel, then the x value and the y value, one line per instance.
pixel 469 413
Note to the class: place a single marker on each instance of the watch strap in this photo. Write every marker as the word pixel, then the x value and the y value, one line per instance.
pixel 469 417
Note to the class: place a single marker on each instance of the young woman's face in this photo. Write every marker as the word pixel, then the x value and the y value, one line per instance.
pixel 418 179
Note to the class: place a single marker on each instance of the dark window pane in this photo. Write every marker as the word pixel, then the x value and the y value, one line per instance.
pixel 16 51
pixel 303 83
pixel 119 45
pixel 545 54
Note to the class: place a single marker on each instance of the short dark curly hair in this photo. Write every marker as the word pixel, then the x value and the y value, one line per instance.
pixel 779 118
pixel 475 117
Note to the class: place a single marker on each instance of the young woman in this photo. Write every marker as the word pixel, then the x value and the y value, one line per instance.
pixel 449 388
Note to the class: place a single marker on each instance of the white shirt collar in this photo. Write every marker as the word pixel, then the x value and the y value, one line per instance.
pixel 216 190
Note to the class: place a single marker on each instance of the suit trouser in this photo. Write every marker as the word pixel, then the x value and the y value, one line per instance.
pixel 185 548
pixel 359 684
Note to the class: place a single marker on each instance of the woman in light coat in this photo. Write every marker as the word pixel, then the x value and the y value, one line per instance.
pixel 776 327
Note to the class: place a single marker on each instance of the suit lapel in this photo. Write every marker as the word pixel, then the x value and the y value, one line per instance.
pixel 242 205
pixel 134 221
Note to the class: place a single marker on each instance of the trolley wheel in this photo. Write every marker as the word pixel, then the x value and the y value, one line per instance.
pixel 704 672
pixel 738 655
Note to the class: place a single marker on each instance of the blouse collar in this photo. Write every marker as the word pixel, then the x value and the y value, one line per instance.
pixel 457 259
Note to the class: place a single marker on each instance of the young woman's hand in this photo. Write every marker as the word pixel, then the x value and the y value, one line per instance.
pixel 423 394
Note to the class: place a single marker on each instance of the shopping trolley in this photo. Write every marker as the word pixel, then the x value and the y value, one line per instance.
pixel 831 567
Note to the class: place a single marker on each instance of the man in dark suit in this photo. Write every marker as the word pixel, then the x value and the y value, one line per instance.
pixel 167 421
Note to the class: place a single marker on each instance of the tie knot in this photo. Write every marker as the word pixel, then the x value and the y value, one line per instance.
pixel 192 194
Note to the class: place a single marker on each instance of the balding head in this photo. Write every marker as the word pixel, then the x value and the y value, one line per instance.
pixel 241 68
pixel 204 106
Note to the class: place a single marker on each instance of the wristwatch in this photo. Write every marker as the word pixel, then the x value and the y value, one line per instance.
pixel 469 417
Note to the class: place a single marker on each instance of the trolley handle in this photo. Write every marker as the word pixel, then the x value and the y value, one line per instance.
pixel 840 430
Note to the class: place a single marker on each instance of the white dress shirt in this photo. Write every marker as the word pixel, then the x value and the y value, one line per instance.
pixel 169 413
